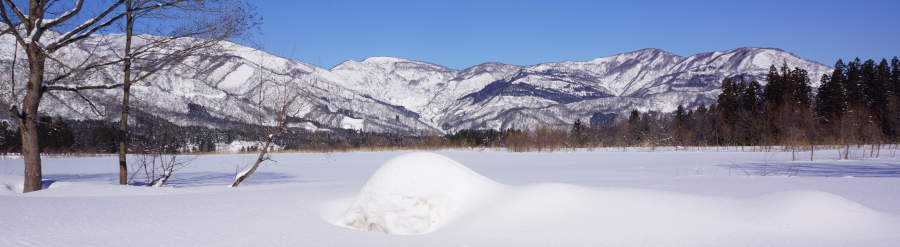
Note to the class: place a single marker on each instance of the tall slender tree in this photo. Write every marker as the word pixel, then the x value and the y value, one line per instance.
pixel 800 92
pixel 198 29
pixel 830 100
pixel 729 101
pixel 895 76
pixel 854 84
pixel 774 90
pixel 839 79
pixel 750 97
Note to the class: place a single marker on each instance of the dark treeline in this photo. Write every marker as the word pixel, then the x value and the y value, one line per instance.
pixel 858 103
pixel 151 133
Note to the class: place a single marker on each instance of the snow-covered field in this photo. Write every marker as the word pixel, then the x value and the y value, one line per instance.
pixel 607 197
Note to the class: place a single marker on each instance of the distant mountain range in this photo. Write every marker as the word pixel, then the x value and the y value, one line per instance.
pixel 386 94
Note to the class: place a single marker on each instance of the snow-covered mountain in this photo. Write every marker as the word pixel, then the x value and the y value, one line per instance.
pixel 385 94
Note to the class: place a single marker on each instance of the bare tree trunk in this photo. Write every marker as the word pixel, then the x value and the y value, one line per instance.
pixel 122 133
pixel 126 89
pixel 28 120
pixel 262 157
pixel 150 55
pixel 812 151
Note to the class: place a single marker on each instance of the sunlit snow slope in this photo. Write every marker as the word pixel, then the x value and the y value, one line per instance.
pixel 386 94
pixel 421 193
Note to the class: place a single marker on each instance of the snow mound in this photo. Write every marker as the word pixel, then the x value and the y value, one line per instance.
pixel 11 184
pixel 413 193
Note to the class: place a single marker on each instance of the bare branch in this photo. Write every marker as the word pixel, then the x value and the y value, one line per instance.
pixel 79 32
pixel 11 28
pixel 15 10
pixel 76 89
pixel 65 16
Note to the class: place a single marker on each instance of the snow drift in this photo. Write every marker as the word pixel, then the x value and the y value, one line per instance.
pixel 420 193
pixel 413 193
pixel 601 198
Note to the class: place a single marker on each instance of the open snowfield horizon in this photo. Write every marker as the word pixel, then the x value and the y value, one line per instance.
pixel 604 197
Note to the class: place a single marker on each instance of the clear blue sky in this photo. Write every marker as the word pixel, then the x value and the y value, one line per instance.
pixel 460 34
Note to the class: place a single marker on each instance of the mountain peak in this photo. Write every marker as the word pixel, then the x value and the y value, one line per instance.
pixel 748 48
pixel 382 60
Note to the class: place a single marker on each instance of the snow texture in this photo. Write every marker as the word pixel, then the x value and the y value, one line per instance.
pixel 351 123
pixel 413 194
pixel 244 146
pixel 611 197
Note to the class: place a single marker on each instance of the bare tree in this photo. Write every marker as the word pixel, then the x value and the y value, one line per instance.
pixel 160 156
pixel 31 28
pixel 199 29
pixel 280 99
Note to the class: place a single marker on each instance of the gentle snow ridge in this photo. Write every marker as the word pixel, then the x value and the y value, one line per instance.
pixel 412 193
pixel 418 193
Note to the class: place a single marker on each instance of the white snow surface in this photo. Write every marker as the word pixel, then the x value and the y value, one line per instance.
pixel 413 193
pixel 244 146
pixel 352 123
pixel 607 197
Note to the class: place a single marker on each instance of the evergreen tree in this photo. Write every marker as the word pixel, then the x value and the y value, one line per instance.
pixel 750 97
pixel 872 88
pixel 840 66
pixel 839 79
pixel 728 100
pixel 883 76
pixel 884 98
pixel 800 89
pixel 635 127
pixel 830 100
pixel 680 116
pixel 578 133
pixel 895 76
pixel 774 90
pixel 854 84
pixel 877 93
pixel 702 110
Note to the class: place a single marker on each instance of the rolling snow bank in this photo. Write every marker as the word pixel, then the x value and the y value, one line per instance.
pixel 422 193
pixel 413 193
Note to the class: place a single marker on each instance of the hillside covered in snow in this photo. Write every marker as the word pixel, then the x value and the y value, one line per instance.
pixel 385 94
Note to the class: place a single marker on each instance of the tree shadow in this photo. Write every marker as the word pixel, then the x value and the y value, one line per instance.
pixel 869 168
pixel 45 184
pixel 178 179
pixel 71 177
pixel 863 169
pixel 196 179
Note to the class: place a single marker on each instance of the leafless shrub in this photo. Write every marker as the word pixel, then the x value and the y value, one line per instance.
pixel 156 168
pixel 159 155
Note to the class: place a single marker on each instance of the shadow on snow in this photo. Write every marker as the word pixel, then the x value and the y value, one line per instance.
pixel 868 168
pixel 178 180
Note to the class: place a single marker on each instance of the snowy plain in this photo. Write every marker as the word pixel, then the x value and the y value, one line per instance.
pixel 604 197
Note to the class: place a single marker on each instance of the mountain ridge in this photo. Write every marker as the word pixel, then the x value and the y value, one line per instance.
pixel 388 94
